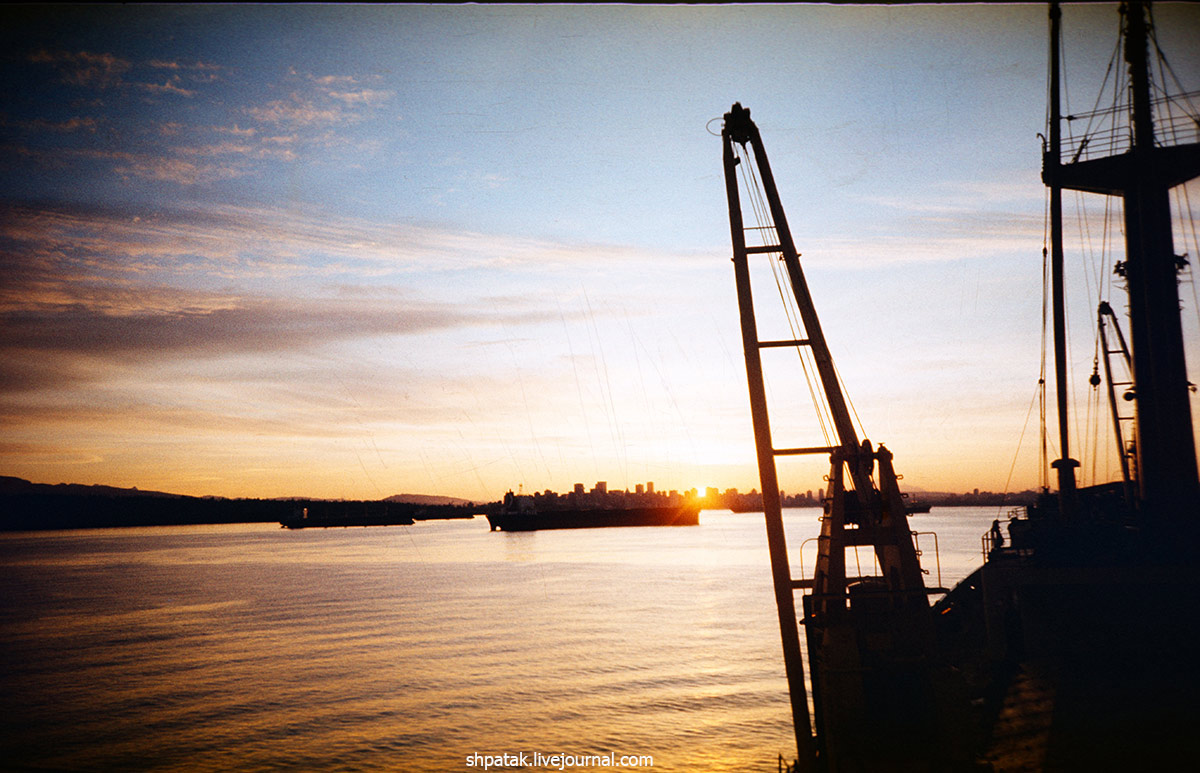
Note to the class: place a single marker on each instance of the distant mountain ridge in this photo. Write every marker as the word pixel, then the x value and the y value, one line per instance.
pixel 26 506
pixel 13 485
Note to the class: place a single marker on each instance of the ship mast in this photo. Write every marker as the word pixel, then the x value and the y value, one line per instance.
pixel 1064 465
pixel 1143 176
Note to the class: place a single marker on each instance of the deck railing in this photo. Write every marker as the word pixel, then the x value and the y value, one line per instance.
pixel 1108 132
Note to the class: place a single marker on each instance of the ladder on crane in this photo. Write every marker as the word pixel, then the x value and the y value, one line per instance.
pixel 868 637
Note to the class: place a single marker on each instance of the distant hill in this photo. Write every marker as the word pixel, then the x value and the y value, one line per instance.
pixel 11 485
pixel 427 499
pixel 35 506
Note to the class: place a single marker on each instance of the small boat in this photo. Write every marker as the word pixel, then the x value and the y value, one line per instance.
pixel 520 512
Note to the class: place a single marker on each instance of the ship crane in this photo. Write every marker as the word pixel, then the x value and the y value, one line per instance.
pixel 1127 453
pixel 1084 625
pixel 868 637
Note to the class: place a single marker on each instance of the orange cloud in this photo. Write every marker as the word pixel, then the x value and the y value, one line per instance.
pixel 70 125
pixel 176 170
pixel 362 96
pixel 194 66
pixel 84 68
pixel 171 86
pixel 295 111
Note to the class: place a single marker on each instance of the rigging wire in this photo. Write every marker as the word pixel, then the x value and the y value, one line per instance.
pixel 1096 115
pixel 1092 444
pixel 1091 272
pixel 1106 129
pixel 1063 86
pixel 1038 397
pixel 1183 204
pixel 862 430
pixel 796 326
pixel 1093 269
pixel 1183 99
pixel 606 391
pixel 765 223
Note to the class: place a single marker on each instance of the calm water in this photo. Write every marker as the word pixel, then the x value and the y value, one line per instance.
pixel 248 647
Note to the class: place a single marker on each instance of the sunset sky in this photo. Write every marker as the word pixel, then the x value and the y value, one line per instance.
pixel 352 251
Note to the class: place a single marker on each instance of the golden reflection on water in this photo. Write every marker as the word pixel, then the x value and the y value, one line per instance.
pixel 403 648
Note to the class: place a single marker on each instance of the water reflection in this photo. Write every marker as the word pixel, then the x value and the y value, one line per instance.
pixel 248 647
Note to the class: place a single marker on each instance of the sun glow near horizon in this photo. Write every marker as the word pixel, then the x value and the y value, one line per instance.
pixel 417 255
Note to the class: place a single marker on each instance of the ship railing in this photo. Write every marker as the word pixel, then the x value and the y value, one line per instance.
pixel 916 535
pixel 937 554
pixel 994 545
pixel 1114 139
pixel 857 557
pixel 989 544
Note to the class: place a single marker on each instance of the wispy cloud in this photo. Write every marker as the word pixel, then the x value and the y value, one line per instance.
pixel 176 170
pixel 236 130
pixel 362 96
pixel 950 223
pixel 197 66
pixel 207 325
pixel 170 86
pixel 74 124
pixel 264 150
pixel 332 80
pixel 255 242
pixel 296 111
pixel 175 165
pixel 111 280
pixel 84 68
pixel 88 287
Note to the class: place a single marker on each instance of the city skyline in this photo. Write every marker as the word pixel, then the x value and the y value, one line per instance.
pixel 351 251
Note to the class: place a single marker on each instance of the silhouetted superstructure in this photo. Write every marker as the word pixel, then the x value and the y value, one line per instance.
pixel 1072 646
pixel 1089 602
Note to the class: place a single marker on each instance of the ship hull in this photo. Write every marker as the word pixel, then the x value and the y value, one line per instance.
pixel 330 516
pixel 595 519
pixel 329 523
pixel 1078 650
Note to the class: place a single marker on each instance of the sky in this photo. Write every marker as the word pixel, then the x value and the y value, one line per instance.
pixel 352 251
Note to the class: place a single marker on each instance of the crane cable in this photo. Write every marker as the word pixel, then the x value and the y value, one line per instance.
pixel 765 223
